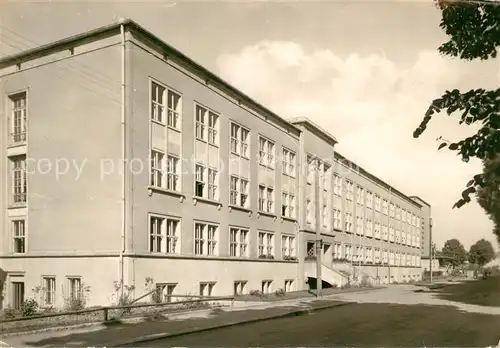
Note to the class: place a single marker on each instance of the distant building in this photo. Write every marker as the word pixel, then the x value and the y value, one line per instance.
pixel 126 163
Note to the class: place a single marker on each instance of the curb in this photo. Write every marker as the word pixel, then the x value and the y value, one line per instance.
pixel 295 313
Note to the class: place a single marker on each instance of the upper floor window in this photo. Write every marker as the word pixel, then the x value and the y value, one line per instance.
pixel 385 206
pixel 288 162
pixel 287 205
pixel 173 173
pixel 326 177
pixel 266 152
pixel 377 202
pixel 157 165
pixel 266 244
pixel 266 199
pixel 19 234
pixel 287 246
pixel 206 185
pixel 19 180
pixel 239 140
pixel 337 184
pixel 207 125
pixel 349 190
pixel 369 199
pixel 19 117
pixel 238 242
pixel 360 195
pixel 238 191
pixel 163 234
pixel 205 239
pixel 391 209
pixel 161 99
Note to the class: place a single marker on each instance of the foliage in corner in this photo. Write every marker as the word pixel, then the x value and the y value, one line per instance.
pixel 489 194
pixel 473 28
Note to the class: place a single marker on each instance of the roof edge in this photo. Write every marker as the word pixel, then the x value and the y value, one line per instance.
pixel 317 129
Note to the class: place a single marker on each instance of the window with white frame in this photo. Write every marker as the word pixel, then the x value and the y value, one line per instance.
pixel 207 125
pixel 19 234
pixel 359 225
pixel 163 234
pixel 75 288
pixel 326 177
pixel 369 228
pixel 385 206
pixel 49 291
pixel 19 180
pixel 238 242
pixel 240 287
pixel 157 103
pixel 337 184
pixel 309 211
pixel 288 162
pixel 403 215
pixel 287 246
pixel 206 288
pixel 377 255
pixel 337 223
pixel 337 251
pixel 398 212
pixel 348 222
pixel 266 199
pixel 207 189
pixel 267 286
pixel 288 285
pixel 349 190
pixel 287 205
pixel 385 256
pixel 385 232
pixel 369 199
pixel 377 229
pixel 19 122
pixel 205 239
pixel 266 243
pixel 238 191
pixel 377 203
pixel 266 152
pixel 164 292
pixel 157 166
pixel 173 172
pixel 239 140
pixel 359 195
pixel 391 233
pixel 391 209
pixel 311 168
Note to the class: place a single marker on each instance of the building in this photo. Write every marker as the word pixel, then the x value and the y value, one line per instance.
pixel 426 230
pixel 129 166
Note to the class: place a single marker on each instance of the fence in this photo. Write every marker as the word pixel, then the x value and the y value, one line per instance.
pixel 106 310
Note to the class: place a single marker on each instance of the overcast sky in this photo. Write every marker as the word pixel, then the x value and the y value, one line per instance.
pixel 365 71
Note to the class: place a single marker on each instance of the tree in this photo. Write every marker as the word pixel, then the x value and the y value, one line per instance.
pixel 473 28
pixel 489 195
pixel 453 253
pixel 481 253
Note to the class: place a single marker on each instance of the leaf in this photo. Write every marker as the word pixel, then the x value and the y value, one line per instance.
pixel 453 146
pixel 442 145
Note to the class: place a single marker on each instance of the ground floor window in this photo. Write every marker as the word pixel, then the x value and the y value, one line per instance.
pixel 266 286
pixel 164 292
pixel 17 295
pixel 240 287
pixel 206 288
pixel 288 285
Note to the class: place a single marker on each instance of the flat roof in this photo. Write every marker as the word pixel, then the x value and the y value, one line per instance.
pixel 366 173
pixel 315 128
pixel 417 197
pixel 87 36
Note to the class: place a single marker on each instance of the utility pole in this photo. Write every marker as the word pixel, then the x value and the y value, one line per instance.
pixel 319 246
pixel 430 246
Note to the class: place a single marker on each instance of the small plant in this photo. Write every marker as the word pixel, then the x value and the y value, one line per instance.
pixel 124 298
pixel 77 301
pixel 255 293
pixel 29 308
pixel 280 292
pixel 365 282
pixel 9 313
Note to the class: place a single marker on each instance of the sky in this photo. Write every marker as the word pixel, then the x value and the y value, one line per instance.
pixel 364 70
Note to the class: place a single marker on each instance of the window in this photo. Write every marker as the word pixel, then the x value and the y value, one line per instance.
pixel 349 190
pixel 17 295
pixel 202 190
pixel 337 185
pixel 240 287
pixel 266 201
pixel 359 195
pixel 206 288
pixel 326 177
pixel 288 285
pixel 157 168
pixel 207 125
pixel 157 104
pixel 377 203
pixel 19 117
pixel 173 173
pixel 163 234
pixel 267 286
pixel 174 109
pixel 287 246
pixel 238 192
pixel 391 209
pixel 239 140
pixel 19 180
pixel 266 244
pixel 266 152
pixel 359 225
pixel 164 292
pixel 311 168
pixel 337 223
pixel 19 233
pixel 309 211
pixel 288 163
pixel 324 214
pixel 377 229
pixel 385 206
pixel 369 199
pixel 348 222
pixel 369 228
pixel 288 205
pixel 238 242
pixel 337 251
pixel 49 291
pixel 75 288
pixel 205 239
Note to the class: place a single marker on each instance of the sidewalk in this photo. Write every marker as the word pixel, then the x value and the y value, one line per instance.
pixel 107 335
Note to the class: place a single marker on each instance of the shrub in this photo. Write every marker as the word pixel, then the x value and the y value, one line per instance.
pixel 280 292
pixel 9 313
pixel 365 282
pixel 29 308
pixel 255 293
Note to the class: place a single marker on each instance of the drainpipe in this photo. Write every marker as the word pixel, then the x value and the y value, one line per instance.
pixel 123 227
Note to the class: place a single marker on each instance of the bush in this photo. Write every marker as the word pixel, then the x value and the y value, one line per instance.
pixel 9 313
pixel 365 282
pixel 74 304
pixel 255 293
pixel 29 308
pixel 280 292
